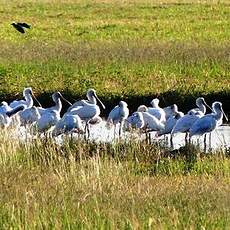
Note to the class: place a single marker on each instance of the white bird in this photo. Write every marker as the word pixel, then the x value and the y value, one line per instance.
pixel 170 123
pixel 33 114
pixel 151 122
pixel 155 110
pixel 6 118
pixel 118 115
pixel 170 111
pixel 29 116
pixel 68 123
pixel 155 103
pixel 28 102
pixel 57 96
pixel 201 104
pixel 47 120
pixel 185 123
pixel 4 107
pixel 92 99
pixel 87 111
pixel 209 122
pixel 136 120
pixel 50 116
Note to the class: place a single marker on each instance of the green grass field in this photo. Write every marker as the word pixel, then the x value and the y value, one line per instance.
pixel 134 50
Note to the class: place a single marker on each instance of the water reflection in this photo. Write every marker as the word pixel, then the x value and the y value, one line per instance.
pixel 220 138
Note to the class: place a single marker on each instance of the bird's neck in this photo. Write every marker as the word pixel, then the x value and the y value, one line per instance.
pixel 202 108
pixel 218 115
pixel 58 105
pixel 155 106
pixel 92 100
pixel 29 101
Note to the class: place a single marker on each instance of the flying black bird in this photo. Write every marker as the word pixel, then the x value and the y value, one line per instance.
pixel 19 26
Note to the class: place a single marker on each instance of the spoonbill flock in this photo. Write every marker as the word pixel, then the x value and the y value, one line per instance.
pixel 83 114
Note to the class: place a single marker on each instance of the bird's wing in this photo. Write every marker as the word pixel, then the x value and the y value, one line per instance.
pixel 84 112
pixel 203 125
pixel 184 123
pixel 154 112
pixel 77 104
pixel 23 24
pixel 114 114
pixel 16 103
pixel 170 123
pixel 151 121
pixel 124 113
pixel 19 28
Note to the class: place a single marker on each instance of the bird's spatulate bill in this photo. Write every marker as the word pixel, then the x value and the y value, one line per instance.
pixel 36 100
pixel 103 106
pixel 224 114
pixel 66 100
pixel 207 105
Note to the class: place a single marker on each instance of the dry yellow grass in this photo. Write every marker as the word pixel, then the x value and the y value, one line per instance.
pixel 88 185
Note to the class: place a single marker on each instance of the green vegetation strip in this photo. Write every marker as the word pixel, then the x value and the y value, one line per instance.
pixel 134 50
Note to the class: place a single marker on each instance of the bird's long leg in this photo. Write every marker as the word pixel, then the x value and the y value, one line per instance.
pixel 71 136
pixel 205 144
pixel 114 131
pixel 210 141
pixel 146 135
pixel 85 132
pixel 166 139
pixel 121 128
pixel 189 139
pixel 88 131
pixel 119 134
pixel 171 141
pixel 186 138
pixel 149 137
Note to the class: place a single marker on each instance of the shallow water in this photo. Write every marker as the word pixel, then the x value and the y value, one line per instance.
pixel 220 138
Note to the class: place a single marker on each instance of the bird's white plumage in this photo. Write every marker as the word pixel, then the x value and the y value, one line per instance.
pixel 158 113
pixel 47 120
pixel 201 106
pixel 151 122
pixel 29 116
pixel 67 124
pixel 50 116
pixel 28 102
pixel 185 123
pixel 4 120
pixel 155 103
pixel 4 107
pixel 208 122
pixel 170 111
pixel 91 99
pixel 203 125
pixel 10 117
pixel 118 113
pixel 136 120
pixel 170 123
pixel 56 107
pixel 86 112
